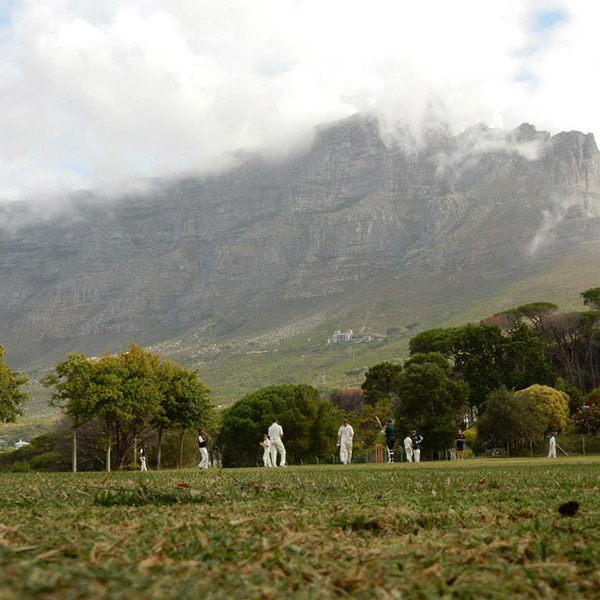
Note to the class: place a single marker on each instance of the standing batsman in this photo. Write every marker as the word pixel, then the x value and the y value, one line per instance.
pixel 552 446
pixel 344 438
pixel 408 448
pixel 275 433
pixel 417 439
pixel 202 439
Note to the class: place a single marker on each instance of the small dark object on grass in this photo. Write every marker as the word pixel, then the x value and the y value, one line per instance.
pixel 182 485
pixel 568 509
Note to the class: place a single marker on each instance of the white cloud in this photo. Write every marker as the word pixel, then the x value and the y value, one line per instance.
pixel 97 94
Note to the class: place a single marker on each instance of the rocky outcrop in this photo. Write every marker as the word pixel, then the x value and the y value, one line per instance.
pixel 194 251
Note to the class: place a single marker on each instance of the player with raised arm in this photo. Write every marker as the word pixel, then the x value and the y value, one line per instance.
pixel 390 439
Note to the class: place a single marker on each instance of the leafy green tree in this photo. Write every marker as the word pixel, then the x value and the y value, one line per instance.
pixel 487 356
pixel 309 426
pixel 381 383
pixel 510 419
pixel 536 312
pixel 141 397
pixel 591 298
pixel 478 352
pixel 71 380
pixel 575 397
pixel 11 396
pixel 366 426
pixel 432 340
pixel 553 403
pixel 525 360
pixel 431 400
pixel 184 402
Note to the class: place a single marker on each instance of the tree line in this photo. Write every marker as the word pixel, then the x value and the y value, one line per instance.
pixel 517 374
pixel 123 398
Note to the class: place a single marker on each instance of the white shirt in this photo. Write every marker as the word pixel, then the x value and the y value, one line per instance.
pixel 552 441
pixel 408 442
pixel 266 444
pixel 346 433
pixel 275 432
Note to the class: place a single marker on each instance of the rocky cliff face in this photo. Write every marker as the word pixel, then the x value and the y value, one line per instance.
pixel 199 250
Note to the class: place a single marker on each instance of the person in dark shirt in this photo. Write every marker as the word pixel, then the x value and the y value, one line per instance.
pixel 460 444
pixel 143 459
pixel 202 439
pixel 417 439
pixel 390 438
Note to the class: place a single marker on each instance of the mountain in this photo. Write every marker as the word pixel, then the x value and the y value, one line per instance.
pixel 247 273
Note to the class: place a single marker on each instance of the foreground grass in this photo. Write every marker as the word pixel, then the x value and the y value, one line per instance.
pixel 476 529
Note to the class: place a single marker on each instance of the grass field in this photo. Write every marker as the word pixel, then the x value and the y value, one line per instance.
pixel 475 529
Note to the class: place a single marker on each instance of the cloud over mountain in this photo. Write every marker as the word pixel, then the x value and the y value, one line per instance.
pixel 98 94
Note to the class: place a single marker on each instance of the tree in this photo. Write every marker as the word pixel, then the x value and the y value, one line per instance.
pixel 553 403
pixel 184 403
pixel 591 298
pixel 536 312
pixel 479 352
pixel 381 382
pixel 432 340
pixel 510 419
pixel 71 380
pixel 431 400
pixel 366 426
pixel 487 356
pixel 587 420
pixel 309 424
pixel 11 396
pixel 525 359
pixel 572 341
pixel 349 399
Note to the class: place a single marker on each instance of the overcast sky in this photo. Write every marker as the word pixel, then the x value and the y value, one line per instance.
pixel 95 94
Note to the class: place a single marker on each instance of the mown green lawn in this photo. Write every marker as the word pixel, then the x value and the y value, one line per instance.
pixel 475 529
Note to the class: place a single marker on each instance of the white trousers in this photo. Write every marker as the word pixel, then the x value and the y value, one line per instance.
pixel 203 464
pixel 417 455
pixel 277 446
pixel 552 452
pixel 267 457
pixel 143 463
pixel 409 454
pixel 346 452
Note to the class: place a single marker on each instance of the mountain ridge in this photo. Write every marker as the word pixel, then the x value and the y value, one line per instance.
pixel 267 245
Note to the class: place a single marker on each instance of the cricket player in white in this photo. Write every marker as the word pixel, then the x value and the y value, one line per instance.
pixel 143 459
pixel 345 437
pixel 408 448
pixel 275 434
pixel 266 446
pixel 552 447
pixel 202 439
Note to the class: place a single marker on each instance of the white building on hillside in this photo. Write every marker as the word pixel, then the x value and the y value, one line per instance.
pixel 340 337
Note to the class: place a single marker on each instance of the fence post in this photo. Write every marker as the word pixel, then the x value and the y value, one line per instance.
pixel 531 446
pixel 583 443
